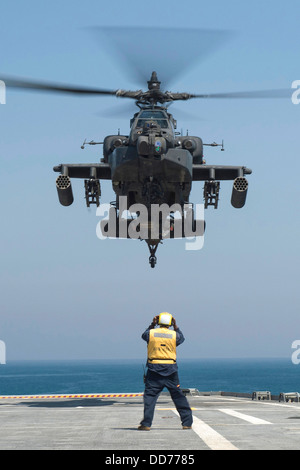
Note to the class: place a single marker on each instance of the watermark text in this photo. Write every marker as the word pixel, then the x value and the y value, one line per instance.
pixel 296 353
pixel 2 92
pixel 296 94
pixel 160 222
pixel 2 352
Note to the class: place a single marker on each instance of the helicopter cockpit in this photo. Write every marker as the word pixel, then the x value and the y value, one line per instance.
pixel 153 115
pixel 160 117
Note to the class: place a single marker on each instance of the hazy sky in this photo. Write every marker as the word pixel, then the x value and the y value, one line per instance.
pixel 65 294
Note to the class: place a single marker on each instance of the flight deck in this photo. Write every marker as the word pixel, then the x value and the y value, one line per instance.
pixel 109 423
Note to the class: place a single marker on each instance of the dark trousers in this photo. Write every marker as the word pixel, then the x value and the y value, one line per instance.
pixel 153 387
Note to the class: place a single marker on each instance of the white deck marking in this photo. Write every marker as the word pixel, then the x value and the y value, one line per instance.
pixel 212 438
pixel 250 419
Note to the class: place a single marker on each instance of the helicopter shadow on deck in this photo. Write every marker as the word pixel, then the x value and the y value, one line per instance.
pixel 69 403
pixel 82 403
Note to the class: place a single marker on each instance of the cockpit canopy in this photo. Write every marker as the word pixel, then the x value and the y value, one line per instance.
pixel 158 116
pixel 153 115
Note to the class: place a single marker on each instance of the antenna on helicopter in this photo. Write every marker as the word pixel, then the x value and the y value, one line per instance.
pixel 214 144
pixel 90 143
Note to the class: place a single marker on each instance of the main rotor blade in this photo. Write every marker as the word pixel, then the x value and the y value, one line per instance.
pixel 169 51
pixel 279 93
pixel 124 110
pixel 54 87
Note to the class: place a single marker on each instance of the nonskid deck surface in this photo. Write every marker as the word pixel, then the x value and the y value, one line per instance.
pixel 110 424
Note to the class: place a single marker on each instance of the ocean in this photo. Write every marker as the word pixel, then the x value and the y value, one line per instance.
pixel 126 376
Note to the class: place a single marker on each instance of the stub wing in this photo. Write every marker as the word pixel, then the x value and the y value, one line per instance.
pixel 213 174
pixel 218 172
pixel 92 173
pixel 85 170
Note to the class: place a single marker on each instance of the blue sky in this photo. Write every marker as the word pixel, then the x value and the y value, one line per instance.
pixel 65 294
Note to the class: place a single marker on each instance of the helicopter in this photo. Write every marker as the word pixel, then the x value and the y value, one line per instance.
pixel 154 165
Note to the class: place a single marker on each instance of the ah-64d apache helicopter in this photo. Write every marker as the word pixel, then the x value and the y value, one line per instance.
pixel 154 164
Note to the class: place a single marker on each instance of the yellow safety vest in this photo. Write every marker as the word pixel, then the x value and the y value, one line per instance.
pixel 162 346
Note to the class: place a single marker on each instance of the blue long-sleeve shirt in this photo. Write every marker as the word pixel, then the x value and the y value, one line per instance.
pixel 163 369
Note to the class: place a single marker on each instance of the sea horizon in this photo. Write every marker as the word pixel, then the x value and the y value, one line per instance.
pixel 72 376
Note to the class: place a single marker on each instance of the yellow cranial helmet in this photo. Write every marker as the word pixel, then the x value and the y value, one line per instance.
pixel 165 319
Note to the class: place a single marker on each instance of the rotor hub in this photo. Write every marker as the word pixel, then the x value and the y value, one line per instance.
pixel 154 83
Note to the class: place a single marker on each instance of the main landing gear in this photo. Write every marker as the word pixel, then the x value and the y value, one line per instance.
pixel 152 257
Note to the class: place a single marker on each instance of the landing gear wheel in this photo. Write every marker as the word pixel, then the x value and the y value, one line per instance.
pixel 152 258
pixel 152 261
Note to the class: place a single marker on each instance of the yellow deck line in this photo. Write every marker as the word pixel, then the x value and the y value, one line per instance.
pixel 78 395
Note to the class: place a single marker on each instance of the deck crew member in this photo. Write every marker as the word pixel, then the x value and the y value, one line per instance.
pixel 163 370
